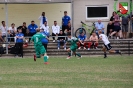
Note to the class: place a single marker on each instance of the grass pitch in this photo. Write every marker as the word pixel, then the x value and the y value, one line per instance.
pixel 88 72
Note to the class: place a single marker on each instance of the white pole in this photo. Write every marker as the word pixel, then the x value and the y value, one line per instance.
pixel 6 12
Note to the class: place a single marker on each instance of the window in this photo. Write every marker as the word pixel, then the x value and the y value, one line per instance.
pixel 97 12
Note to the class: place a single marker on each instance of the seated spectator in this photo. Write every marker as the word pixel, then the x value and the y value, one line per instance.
pixel 4 29
pixel 61 40
pixel 93 41
pixel 44 40
pixel 82 38
pixel 32 29
pixel 110 28
pixel 68 28
pixel 99 26
pixel 12 31
pixel 45 28
pixel 19 43
pixel 24 29
pixel 55 30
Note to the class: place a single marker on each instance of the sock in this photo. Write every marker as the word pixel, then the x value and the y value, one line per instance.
pixel 78 54
pixel 69 54
pixel 45 59
pixel 116 51
pixel 105 55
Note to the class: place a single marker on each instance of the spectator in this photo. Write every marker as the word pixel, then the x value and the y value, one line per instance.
pixel 24 29
pixel 44 40
pixel 65 20
pixel 117 27
pixel 61 40
pixel 55 30
pixel 45 28
pixel 132 26
pixel 1 39
pixel 125 21
pixel 12 31
pixel 110 28
pixel 93 41
pixel 3 29
pixel 32 29
pixel 68 28
pixel 43 19
pixel 99 26
pixel 19 43
pixel 82 38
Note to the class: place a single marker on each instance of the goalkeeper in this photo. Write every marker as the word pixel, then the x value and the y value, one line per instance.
pixel 39 48
pixel 73 41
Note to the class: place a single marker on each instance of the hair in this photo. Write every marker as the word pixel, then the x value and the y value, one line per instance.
pixel 24 22
pixel 37 30
pixel 32 21
pixel 12 24
pixel 65 11
pixel 55 21
pixel 69 34
pixel 2 22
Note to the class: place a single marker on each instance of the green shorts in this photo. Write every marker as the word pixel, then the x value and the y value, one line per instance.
pixel 40 50
pixel 73 48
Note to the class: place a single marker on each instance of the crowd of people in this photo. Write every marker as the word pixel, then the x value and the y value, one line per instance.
pixel 116 28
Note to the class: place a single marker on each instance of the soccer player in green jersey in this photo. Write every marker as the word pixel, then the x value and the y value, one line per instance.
pixel 39 48
pixel 73 41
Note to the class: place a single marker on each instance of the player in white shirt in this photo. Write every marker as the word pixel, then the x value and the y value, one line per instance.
pixel 107 46
pixel 55 30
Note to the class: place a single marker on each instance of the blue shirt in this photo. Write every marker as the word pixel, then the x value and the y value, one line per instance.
pixel 19 40
pixel 99 26
pixel 44 40
pixel 82 37
pixel 65 20
pixel 32 28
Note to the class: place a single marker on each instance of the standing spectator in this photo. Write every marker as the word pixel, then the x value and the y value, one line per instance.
pixel 45 28
pixel 93 41
pixel 32 29
pixel 24 29
pixel 3 29
pixel 44 40
pixel 43 19
pixel 125 21
pixel 55 30
pixel 12 31
pixel 19 43
pixel 117 27
pixel 61 40
pixel 68 28
pixel 99 26
pixel 65 20
pixel 110 28
pixel 82 38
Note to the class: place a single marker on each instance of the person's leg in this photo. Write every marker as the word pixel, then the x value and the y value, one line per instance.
pixel 69 53
pixel 104 50
pixel 126 30
pixel 123 31
pixel 58 41
pixel 21 49
pixel 89 45
pixel 53 35
pixel 64 44
pixel 79 45
pixel 95 45
pixel 17 49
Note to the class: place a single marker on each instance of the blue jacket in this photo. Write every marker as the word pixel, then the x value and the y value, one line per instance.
pixel 19 40
pixel 44 40
pixel 32 28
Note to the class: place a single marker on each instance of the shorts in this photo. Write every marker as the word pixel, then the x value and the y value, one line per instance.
pixel 117 28
pixel 40 50
pixel 125 28
pixel 73 48
pixel 108 46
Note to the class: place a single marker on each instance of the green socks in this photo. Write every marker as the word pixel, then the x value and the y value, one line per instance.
pixel 45 59
pixel 78 54
pixel 69 54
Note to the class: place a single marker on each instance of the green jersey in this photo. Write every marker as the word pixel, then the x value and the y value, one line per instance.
pixel 73 41
pixel 37 39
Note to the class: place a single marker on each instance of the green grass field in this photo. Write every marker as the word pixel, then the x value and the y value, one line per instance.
pixel 88 72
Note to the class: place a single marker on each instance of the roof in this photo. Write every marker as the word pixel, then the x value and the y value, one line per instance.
pixel 34 1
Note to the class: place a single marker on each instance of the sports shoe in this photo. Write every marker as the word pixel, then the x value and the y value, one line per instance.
pixel 58 48
pixel 64 48
pixel 105 56
pixel 53 40
pixel 120 53
pixel 46 63
pixel 79 48
pixel 34 57
pixel 88 48
pixel 68 57
pixel 79 57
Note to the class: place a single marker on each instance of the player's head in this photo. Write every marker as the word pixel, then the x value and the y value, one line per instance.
pixel 99 32
pixel 43 13
pixel 69 35
pixel 61 32
pixel 65 13
pixel 38 30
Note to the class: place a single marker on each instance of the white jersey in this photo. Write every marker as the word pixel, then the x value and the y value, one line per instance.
pixel 104 39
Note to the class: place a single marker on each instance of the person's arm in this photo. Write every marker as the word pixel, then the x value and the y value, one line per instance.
pixel 39 17
pixel 62 20
pixel 96 39
pixel 58 29
pixel 53 29
pixel 69 19
pixel 100 38
pixel 102 26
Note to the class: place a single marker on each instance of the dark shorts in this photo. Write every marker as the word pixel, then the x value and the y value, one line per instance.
pixel 64 27
pixel 117 28
pixel 108 46
pixel 125 28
